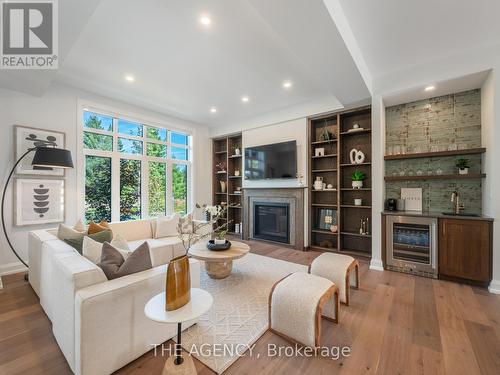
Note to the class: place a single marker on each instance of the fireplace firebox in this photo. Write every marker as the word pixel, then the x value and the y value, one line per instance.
pixel 271 221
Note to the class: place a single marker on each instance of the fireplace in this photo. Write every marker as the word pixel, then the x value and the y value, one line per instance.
pixel 271 221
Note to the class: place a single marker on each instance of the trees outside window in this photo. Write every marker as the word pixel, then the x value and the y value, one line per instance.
pixel 135 163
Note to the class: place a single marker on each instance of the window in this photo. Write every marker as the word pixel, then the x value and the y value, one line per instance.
pixel 133 170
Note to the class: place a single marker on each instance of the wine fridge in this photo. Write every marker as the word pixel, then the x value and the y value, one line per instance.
pixel 411 245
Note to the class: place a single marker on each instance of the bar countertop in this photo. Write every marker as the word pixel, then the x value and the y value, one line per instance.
pixel 438 215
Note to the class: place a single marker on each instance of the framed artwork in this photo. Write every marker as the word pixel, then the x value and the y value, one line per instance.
pixel 326 217
pixel 38 201
pixel 26 138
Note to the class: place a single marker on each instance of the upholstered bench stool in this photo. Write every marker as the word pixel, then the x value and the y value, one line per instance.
pixel 337 268
pixel 296 304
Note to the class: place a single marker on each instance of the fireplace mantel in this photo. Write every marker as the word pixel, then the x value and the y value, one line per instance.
pixel 294 197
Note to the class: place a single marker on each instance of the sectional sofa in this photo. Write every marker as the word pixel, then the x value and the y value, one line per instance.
pixel 99 324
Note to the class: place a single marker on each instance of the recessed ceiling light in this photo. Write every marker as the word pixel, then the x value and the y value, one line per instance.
pixel 129 78
pixel 245 99
pixel 205 20
pixel 287 84
pixel 213 110
pixel 429 88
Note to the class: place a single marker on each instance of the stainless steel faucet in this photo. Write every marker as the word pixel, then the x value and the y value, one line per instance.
pixel 456 203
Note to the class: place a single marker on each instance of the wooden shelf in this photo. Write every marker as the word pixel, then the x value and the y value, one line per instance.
pixel 323 142
pixel 323 232
pixel 324 191
pixel 324 170
pixel 324 156
pixel 354 234
pixel 234 176
pixel 221 173
pixel 235 207
pixel 471 151
pixel 220 152
pixel 352 189
pixel 355 132
pixel 233 194
pixel 355 165
pixel 436 177
pixel 353 206
pixel 234 156
pixel 218 193
pixel 323 205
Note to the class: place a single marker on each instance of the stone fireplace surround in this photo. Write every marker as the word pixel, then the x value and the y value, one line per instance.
pixel 295 199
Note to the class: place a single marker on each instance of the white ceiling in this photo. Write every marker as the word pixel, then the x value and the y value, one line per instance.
pixel 183 69
pixel 395 35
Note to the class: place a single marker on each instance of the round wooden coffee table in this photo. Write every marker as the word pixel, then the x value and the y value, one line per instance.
pixel 218 264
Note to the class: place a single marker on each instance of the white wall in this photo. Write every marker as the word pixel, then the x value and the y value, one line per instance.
pixel 295 130
pixel 57 110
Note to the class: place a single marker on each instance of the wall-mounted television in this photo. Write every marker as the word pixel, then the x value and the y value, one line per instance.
pixel 273 161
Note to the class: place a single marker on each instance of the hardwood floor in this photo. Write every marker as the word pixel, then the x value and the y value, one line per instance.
pixel 396 324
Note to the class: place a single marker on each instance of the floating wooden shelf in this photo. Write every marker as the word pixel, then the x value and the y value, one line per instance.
pixel 353 206
pixel 355 165
pixel 470 151
pixel 354 132
pixel 324 156
pixel 436 177
pixel 323 205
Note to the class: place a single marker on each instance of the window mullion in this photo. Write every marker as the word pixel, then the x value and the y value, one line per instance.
pixel 115 176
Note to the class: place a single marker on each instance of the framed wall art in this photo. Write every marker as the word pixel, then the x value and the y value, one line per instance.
pixel 26 138
pixel 38 201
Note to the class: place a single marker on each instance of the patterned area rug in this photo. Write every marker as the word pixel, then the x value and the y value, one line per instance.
pixel 239 315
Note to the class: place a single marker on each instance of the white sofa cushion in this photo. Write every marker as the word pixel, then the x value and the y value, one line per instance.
pixel 166 226
pixel 161 251
pixel 133 230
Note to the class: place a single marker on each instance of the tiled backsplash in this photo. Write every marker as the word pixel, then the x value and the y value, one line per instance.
pixel 450 122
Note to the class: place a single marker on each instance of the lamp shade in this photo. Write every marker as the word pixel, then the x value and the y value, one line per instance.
pixel 52 157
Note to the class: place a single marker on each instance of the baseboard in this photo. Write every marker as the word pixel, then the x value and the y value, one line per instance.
pixel 494 287
pixel 376 265
pixel 10 268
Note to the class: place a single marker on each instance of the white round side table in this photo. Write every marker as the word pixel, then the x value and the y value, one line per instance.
pixel 200 303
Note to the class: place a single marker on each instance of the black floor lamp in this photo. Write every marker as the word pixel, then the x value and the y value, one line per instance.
pixel 44 157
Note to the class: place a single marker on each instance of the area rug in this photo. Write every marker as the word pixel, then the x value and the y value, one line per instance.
pixel 239 315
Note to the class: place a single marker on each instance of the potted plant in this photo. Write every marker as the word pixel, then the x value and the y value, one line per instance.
pixel 463 166
pixel 357 179
pixel 220 237
pixel 236 150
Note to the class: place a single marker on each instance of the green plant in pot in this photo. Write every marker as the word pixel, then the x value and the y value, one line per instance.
pixel 463 166
pixel 220 237
pixel 357 178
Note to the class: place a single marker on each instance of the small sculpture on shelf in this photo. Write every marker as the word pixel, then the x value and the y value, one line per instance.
pixel 320 151
pixel 221 167
pixel 356 156
pixel 364 227
pixel 236 150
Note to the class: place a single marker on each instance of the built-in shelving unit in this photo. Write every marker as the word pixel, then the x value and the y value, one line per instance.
pixel 436 177
pixel 335 168
pixel 223 150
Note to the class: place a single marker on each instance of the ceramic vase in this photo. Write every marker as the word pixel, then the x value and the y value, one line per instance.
pixel 463 171
pixel 177 283
pixel 223 186
pixel 357 184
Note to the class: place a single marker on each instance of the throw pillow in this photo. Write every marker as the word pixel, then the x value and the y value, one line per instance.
pixel 66 232
pixel 186 223
pixel 104 224
pixel 120 242
pixel 114 265
pixel 79 226
pixel 96 228
pixel 92 250
pixel 77 243
pixel 166 226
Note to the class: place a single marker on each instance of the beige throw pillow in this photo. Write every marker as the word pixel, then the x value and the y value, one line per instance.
pixel 120 242
pixel 114 265
pixel 186 224
pixel 92 250
pixel 166 226
pixel 65 232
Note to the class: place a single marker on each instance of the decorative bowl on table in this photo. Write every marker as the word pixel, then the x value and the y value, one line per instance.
pixel 211 245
